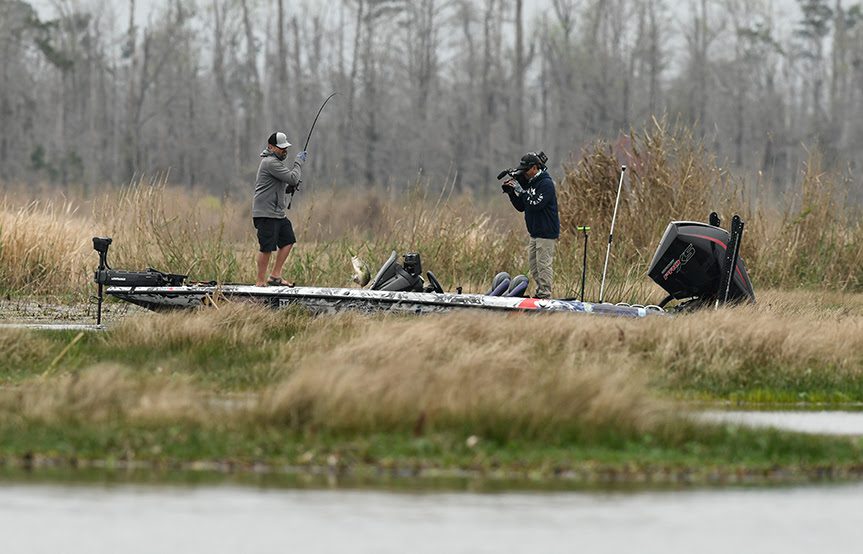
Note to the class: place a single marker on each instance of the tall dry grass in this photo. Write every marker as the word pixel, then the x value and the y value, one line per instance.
pixel 43 246
pixel 496 376
pixel 808 238
pixel 231 325
pixel 107 393
pixel 573 376
pixel 755 348
pixel 500 378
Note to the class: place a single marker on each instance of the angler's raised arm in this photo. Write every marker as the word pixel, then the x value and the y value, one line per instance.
pixel 291 176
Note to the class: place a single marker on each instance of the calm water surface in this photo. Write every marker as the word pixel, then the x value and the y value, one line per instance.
pixel 818 422
pixel 130 519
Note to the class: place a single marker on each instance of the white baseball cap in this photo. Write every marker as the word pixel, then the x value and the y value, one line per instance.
pixel 279 139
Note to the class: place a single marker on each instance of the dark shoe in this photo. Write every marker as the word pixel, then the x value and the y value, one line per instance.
pixel 278 282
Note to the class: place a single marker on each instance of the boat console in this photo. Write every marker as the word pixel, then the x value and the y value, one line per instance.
pixel 399 278
pixel 404 278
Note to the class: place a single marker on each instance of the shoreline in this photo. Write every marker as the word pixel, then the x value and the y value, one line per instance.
pixel 421 475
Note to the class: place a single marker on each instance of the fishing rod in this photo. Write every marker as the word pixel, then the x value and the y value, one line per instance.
pixel 308 139
pixel 611 233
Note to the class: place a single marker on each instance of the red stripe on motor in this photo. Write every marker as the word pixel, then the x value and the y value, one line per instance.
pixel 724 247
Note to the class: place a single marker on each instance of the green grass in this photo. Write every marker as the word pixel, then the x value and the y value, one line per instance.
pixel 211 363
pixel 702 455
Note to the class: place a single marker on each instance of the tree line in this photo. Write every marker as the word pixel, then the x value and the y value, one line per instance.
pixel 429 90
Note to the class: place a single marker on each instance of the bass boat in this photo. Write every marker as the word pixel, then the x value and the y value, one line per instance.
pixel 689 264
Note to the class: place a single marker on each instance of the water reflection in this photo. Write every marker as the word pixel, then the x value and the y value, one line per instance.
pixel 135 518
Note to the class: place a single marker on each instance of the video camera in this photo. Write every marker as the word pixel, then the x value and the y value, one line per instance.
pixel 528 160
pixel 532 158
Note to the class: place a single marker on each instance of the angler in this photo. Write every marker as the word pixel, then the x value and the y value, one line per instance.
pixel 274 181
pixel 275 231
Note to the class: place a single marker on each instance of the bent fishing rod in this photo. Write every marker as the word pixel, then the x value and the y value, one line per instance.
pixel 308 139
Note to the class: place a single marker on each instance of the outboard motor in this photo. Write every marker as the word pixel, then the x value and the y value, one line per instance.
pixel 691 260
pixel 397 278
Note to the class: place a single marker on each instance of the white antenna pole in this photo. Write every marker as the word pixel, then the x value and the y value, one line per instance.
pixel 611 233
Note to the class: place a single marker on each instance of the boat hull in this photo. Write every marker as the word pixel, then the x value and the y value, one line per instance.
pixel 328 300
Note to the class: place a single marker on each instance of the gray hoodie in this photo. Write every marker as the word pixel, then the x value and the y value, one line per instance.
pixel 274 180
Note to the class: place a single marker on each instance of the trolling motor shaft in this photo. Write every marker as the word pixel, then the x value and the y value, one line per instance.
pixel 100 245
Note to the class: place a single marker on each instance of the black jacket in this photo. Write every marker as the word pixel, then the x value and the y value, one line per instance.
pixel 539 204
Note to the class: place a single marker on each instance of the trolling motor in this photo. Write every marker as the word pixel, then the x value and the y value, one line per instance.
pixel 100 245
pixel 106 276
pixel 701 262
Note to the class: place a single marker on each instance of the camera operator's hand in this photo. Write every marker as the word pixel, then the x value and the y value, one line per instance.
pixel 513 186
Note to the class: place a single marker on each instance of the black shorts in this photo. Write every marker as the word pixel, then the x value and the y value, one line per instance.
pixel 274 233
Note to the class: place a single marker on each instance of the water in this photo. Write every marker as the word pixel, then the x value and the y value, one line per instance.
pixel 102 517
pixel 131 519
pixel 820 422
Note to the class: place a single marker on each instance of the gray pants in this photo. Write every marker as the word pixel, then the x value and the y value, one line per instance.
pixel 540 256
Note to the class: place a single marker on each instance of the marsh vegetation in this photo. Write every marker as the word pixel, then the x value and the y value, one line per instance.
pixel 519 395
pixel 811 238
pixel 529 395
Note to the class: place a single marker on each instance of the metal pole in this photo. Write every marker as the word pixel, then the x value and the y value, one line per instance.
pixel 99 306
pixel 611 234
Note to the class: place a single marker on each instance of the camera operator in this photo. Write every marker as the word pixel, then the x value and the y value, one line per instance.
pixel 531 190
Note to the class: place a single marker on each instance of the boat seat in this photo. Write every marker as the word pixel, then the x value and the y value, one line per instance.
pixel 517 286
pixel 499 285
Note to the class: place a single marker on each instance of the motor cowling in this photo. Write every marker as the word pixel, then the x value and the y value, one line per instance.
pixel 690 260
